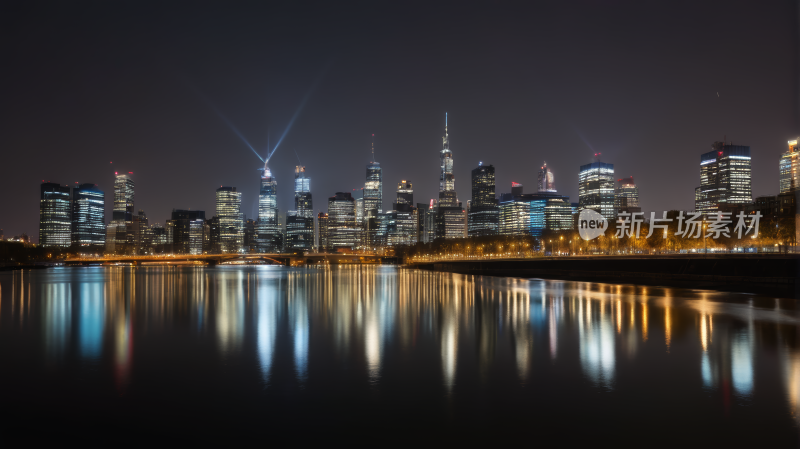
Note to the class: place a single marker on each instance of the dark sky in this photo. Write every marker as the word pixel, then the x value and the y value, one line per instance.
pixel 650 85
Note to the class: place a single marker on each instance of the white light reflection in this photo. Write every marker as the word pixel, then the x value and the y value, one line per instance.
pixel 57 320
pixel 267 322
pixel 597 347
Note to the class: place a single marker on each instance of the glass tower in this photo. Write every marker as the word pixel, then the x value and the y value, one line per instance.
pixel 231 222
pixel 373 190
pixel 484 210
pixel 401 224
pixel 300 222
pixel 88 216
pixel 54 215
pixel 546 179
pixel 120 233
pixel 267 229
pixel 724 178
pixel 450 223
pixel 789 170
pixel 596 188
pixel 342 231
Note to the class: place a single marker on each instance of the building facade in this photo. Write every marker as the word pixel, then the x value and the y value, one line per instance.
pixel 450 215
pixel 626 196
pixel 546 179
pixel 55 215
pixel 267 232
pixel 596 188
pixel 484 208
pixel 725 179
pixel 342 232
pixel 231 221
pixel 789 170
pixel 300 221
pixel 120 233
pixel 88 216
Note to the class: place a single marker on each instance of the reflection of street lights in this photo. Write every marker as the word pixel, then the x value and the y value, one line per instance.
pixel 559 245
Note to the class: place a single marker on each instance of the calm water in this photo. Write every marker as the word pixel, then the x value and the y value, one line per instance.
pixel 382 355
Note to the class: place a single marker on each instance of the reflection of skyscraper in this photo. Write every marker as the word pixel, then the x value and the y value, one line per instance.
pixel 596 188
pixel 269 313
pixel 267 231
pixel 546 179
pixel 91 319
pixel 57 309
pixel 597 348
pixel 88 216
pixel 231 223
pixel 54 215
pixel 790 168
pixel 484 213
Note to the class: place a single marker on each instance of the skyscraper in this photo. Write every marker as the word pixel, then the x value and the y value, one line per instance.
pixel 373 188
pixel 401 223
pixel 323 243
pixel 342 231
pixel 189 229
pixel 88 216
pixel 300 221
pixel 790 168
pixel 724 178
pixel 231 221
pixel 626 196
pixel 120 233
pixel 596 188
pixel 484 210
pixel 54 215
pixel 267 230
pixel 450 215
pixel 546 179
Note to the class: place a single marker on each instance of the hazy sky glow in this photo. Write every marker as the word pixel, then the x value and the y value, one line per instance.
pixel 146 85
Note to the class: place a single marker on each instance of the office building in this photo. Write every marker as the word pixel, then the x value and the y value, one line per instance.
pixel 323 243
pixel 401 224
pixel 373 190
pixel 188 231
pixel 515 216
pixel 300 221
pixel 120 233
pixel 596 188
pixel 54 215
pixel 626 196
pixel 342 231
pixel 430 223
pixel 789 170
pixel 88 217
pixel 484 209
pixel 724 178
pixel 142 238
pixel 450 214
pixel 547 181
pixel 231 221
pixel 267 232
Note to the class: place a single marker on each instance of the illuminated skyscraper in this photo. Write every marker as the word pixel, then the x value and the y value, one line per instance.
pixel 54 215
pixel 323 243
pixel 88 216
pixel 484 210
pixel 300 222
pixel 342 231
pixel 120 233
pixel 231 221
pixel 373 188
pixel 268 235
pixel 401 223
pixel 596 188
pixel 450 215
pixel 547 181
pixel 724 178
pixel 189 229
pixel 515 217
pixel 790 168
pixel 626 196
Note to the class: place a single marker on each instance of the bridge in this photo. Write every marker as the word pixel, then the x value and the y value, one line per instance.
pixel 251 258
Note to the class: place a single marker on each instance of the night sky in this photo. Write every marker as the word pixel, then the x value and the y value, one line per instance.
pixel 146 85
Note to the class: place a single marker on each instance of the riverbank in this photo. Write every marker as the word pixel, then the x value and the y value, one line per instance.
pixel 770 275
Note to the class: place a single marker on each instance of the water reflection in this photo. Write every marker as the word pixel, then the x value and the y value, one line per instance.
pixel 382 323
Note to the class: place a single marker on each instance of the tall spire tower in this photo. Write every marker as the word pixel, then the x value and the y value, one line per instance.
pixel 267 229
pixel 447 184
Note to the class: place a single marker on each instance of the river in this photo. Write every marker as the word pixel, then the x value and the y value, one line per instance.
pixel 385 355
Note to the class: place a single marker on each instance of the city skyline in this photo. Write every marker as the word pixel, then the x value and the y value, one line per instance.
pixel 509 112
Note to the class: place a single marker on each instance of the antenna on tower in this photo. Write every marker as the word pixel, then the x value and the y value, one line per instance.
pixel 373 147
